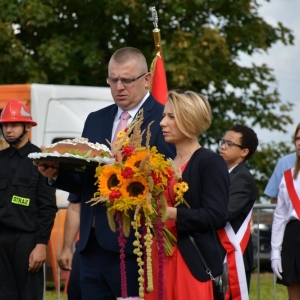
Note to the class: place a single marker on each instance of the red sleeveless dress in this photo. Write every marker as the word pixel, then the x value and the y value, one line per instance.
pixel 178 282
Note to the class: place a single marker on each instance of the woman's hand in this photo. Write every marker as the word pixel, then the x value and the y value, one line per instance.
pixel 171 213
pixel 276 267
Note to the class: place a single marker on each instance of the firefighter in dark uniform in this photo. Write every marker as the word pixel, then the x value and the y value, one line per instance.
pixel 27 209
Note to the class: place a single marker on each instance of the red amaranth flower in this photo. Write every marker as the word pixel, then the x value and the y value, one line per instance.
pixel 122 243
pixel 170 172
pixel 114 195
pixel 128 150
pixel 127 173
pixel 161 249
pixel 156 178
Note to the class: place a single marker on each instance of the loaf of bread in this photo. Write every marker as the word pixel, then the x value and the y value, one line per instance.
pixel 79 146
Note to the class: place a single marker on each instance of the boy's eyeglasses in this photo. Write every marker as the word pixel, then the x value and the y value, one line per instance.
pixel 228 144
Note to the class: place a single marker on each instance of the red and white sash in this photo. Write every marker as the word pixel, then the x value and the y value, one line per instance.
pixel 291 190
pixel 235 245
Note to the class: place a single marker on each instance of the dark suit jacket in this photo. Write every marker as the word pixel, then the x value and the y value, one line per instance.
pixel 208 180
pixel 242 195
pixel 98 128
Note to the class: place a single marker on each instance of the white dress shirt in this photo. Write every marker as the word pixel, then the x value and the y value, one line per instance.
pixel 132 113
pixel 283 213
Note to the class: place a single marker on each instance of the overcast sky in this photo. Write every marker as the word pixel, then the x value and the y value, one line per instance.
pixel 285 60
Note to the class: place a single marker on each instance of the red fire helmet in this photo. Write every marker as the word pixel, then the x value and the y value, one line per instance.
pixel 16 111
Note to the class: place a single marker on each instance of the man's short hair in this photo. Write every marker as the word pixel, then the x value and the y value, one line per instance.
pixel 123 55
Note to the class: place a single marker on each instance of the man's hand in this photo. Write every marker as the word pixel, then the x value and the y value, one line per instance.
pixel 276 267
pixel 65 259
pixel 37 257
pixel 47 168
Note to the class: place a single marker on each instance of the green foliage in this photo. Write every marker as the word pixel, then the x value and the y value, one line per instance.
pixel 70 42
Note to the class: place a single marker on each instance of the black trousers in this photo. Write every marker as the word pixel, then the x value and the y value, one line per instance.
pixel 16 283
pixel 100 277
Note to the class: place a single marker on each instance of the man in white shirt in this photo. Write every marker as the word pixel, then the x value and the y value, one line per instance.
pixel 284 163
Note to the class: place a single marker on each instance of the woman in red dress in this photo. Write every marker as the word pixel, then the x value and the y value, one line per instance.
pixel 186 116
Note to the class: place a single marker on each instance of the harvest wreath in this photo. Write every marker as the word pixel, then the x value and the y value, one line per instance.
pixel 79 146
pixel 74 154
pixel 135 185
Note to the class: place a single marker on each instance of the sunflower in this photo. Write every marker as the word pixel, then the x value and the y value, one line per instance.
pixel 136 187
pixel 109 178
pixel 135 160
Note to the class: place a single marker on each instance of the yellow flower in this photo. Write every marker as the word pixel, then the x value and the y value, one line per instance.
pixel 136 187
pixel 179 189
pixel 135 160
pixel 109 178
pixel 120 136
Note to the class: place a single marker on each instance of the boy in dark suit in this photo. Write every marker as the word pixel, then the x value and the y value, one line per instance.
pixel 237 146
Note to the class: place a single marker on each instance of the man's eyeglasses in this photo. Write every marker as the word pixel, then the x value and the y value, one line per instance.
pixel 124 81
pixel 229 144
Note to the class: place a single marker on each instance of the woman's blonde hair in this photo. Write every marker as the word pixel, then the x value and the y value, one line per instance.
pixel 297 162
pixel 192 112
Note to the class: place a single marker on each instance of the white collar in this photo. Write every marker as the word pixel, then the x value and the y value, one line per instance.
pixel 132 111
pixel 232 168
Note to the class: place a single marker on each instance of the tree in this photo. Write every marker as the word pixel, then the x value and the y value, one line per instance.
pixel 70 42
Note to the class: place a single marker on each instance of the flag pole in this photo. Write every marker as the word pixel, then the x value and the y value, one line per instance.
pixel 156 33
pixel 158 85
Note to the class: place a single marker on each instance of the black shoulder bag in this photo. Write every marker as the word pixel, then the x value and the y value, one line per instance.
pixel 220 283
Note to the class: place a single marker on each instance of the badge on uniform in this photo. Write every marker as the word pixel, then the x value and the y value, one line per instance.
pixel 20 200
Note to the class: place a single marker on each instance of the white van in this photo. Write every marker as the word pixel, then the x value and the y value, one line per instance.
pixel 59 110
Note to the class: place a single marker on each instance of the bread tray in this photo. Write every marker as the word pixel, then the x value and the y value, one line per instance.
pixel 70 162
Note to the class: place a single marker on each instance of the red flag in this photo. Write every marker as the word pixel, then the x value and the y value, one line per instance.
pixel 159 87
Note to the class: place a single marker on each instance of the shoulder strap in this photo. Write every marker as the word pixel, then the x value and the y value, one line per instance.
pixel 291 191
pixel 207 270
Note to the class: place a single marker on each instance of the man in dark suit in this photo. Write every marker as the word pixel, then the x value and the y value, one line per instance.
pixel 237 146
pixel 128 78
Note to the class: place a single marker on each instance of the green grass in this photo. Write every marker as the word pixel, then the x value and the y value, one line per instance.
pixel 266 285
pixel 52 295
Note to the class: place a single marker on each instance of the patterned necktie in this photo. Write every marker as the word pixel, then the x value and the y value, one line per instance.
pixel 125 116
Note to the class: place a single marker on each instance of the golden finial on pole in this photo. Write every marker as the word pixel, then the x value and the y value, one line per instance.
pixel 156 33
